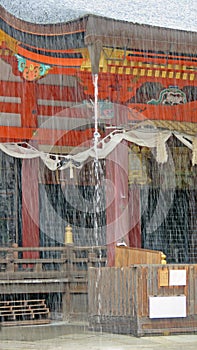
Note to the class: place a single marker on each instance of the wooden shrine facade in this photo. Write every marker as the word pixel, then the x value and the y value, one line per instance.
pixel 146 76
pixel 142 67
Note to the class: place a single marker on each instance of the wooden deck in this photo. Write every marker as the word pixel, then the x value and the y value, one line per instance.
pixel 114 299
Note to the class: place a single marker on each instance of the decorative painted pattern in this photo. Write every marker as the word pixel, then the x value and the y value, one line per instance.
pixel 31 70
pixel 170 96
pixel 141 71
pixel 121 63
pixel 5 52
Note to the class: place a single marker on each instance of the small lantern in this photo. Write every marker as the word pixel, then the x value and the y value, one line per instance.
pixel 68 239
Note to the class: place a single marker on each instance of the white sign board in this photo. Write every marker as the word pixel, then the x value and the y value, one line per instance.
pixel 164 307
pixel 177 278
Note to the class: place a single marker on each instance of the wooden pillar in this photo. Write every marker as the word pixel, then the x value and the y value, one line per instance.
pixel 134 216
pixel 117 199
pixel 30 206
pixel 29 105
pixel 66 302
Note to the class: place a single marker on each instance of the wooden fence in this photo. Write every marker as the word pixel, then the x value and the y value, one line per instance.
pixel 120 299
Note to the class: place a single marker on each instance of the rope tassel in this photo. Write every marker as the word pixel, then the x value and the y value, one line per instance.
pixel 162 155
pixel 194 151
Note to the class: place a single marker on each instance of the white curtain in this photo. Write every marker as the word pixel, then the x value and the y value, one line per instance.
pixel 142 137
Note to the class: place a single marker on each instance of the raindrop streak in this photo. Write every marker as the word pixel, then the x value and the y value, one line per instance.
pixel 97 175
pixel 96 160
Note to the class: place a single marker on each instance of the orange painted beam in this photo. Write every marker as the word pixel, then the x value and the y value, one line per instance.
pixel 73 112
pixel 181 113
pixel 10 88
pixel 49 110
pixel 10 107
pixel 45 136
pixel 46 92
pixel 65 93
pixel 165 81
pixel 32 56
pixel 63 70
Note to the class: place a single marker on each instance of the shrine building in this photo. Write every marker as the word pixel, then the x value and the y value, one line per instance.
pixel 133 89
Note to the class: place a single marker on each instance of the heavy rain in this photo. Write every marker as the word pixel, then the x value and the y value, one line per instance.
pixel 98 165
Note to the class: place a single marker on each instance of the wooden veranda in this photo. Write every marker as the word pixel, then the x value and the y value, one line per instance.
pixel 59 273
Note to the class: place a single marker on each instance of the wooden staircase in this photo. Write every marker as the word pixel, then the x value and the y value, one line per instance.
pixel 23 312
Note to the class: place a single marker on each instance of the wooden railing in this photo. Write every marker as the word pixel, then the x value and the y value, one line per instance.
pixel 70 260
pixel 41 272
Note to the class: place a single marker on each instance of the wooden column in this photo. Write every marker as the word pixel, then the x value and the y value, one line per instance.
pixel 30 206
pixel 134 216
pixel 66 302
pixel 117 199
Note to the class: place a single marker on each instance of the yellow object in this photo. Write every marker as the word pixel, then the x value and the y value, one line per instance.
pixel 163 259
pixel 68 239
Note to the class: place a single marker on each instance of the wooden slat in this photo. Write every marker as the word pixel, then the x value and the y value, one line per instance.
pixel 15 309
pixel 25 322
pixel 124 293
pixel 127 256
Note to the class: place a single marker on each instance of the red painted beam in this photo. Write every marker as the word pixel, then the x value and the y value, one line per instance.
pixel 162 59
pixel 74 112
pixel 10 88
pixel 63 70
pixel 10 107
pixel 47 92
pixel 65 93
pixel 45 136
pixel 181 113
pixel 49 110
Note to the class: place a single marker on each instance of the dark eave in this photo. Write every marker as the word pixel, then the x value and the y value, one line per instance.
pixel 42 29
pixel 114 33
pixel 60 36
pixel 88 30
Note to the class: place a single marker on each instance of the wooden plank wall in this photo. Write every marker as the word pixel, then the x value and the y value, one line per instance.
pixel 111 291
pixel 119 299
pixel 126 256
